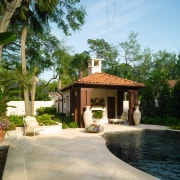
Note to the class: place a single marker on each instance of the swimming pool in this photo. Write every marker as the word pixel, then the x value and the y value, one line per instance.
pixel 155 152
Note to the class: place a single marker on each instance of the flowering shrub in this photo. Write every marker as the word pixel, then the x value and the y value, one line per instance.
pixel 4 123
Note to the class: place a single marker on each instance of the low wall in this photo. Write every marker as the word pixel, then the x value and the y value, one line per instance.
pixel 51 129
pixel 18 107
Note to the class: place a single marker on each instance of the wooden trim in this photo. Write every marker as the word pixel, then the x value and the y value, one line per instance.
pixel 120 98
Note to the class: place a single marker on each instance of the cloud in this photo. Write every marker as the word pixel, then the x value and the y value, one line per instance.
pixel 113 20
pixel 107 16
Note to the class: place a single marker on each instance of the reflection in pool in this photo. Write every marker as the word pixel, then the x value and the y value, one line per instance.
pixel 155 152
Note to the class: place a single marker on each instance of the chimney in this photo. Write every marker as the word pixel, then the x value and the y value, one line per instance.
pixel 94 65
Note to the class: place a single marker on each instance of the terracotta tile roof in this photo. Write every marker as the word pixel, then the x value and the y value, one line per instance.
pixel 107 79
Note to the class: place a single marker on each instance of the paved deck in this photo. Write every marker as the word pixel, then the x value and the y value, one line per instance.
pixel 70 155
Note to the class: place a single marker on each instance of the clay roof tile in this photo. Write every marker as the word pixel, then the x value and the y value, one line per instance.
pixel 107 79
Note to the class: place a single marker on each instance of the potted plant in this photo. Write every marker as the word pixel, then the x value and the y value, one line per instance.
pixel 4 125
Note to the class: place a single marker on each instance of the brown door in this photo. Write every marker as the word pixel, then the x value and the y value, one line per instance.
pixel 111 107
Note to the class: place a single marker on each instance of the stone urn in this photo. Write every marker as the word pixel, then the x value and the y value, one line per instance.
pixel 87 116
pixel 137 115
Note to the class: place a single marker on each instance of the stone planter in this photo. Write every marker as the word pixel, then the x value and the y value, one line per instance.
pixel 19 131
pixel 45 130
pixel 137 115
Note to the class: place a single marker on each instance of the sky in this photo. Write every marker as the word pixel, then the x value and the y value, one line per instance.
pixel 156 22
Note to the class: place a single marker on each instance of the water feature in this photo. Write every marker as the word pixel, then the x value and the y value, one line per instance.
pixel 155 152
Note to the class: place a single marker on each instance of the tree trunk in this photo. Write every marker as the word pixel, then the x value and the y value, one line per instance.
pixel 5 19
pixel 59 82
pixel 24 72
pixel 81 73
pixel 33 93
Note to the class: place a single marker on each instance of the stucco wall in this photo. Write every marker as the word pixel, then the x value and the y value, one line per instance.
pixel 19 109
pixel 66 102
pixel 101 93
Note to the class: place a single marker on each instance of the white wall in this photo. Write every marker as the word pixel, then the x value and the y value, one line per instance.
pixel 103 93
pixel 66 102
pixel 19 108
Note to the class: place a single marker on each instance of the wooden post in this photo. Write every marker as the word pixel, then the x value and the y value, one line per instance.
pixel 85 100
pixel 74 105
pixel 120 97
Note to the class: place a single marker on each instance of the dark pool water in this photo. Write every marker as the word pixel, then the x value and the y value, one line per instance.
pixel 155 152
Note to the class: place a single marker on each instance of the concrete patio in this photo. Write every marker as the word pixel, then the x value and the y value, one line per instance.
pixel 70 154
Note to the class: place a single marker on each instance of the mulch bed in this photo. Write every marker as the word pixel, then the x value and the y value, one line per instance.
pixel 3 155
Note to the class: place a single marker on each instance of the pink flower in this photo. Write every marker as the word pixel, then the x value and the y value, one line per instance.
pixel 4 124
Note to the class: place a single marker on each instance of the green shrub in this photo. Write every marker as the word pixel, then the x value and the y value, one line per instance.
pixel 16 120
pixel 64 126
pixel 45 120
pixel 57 119
pixel 176 127
pixel 69 125
pixel 72 125
pixel 176 100
pixel 60 115
pixel 173 123
pixel 67 119
pixel 46 110
pixel 147 105
pixel 68 122
pixel 12 126
pixel 152 120
pixel 170 121
pixel 97 114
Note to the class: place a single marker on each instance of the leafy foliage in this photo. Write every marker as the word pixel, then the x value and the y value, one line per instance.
pixel 69 125
pixel 45 120
pixel 176 100
pixel 147 105
pixel 97 114
pixel 103 50
pixel 80 64
pixel 7 37
pixel 16 120
pixel 164 101
pixel 46 110
pixel 131 49
pixel 166 112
